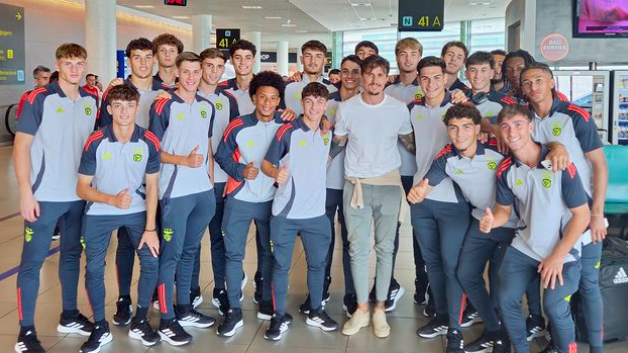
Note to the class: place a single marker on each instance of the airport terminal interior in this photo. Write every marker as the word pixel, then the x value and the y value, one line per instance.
pixel 64 194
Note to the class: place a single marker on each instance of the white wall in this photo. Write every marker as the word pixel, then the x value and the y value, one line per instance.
pixel 50 23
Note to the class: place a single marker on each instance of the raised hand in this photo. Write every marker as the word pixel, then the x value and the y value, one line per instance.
pixel 486 223
pixel 122 200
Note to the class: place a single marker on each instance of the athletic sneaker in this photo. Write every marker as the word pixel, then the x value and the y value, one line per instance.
pixel 421 293
pixel 535 327
pixel 326 284
pixel 455 342
pixel 80 324
pixel 483 344
pixel 319 318
pixel 172 332
pixel 502 345
pixel 221 301
pixel 433 329
pixel 429 310
pixel 28 343
pixel 99 337
pixel 196 298
pixel 57 233
pixel 278 325
pixel 395 292
pixel 257 286
pixel 550 348
pixel 265 310
pixel 124 310
pixel 142 331
pixel 195 319
pixel 350 304
pixel 232 322
pixel 305 307
pixel 470 317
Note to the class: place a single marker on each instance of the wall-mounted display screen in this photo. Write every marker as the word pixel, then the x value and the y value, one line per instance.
pixel 600 18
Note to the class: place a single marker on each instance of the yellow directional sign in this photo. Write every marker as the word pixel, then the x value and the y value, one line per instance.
pixel 18 16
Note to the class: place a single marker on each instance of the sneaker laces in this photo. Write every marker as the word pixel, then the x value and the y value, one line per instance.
pixel 31 339
pixel 97 334
pixel 81 319
pixel 275 323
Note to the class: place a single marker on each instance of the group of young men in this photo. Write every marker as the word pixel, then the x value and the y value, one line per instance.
pixel 504 172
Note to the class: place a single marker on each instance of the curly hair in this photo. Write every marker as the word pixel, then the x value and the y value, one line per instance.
pixel 267 79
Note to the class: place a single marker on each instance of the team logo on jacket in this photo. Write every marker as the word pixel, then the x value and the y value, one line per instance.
pixel 28 234
pixel 137 157
pixel 106 156
pixel 491 165
pixel 219 105
pixel 203 113
pixel 418 94
pixel 168 234
pixel 88 111
pixel 326 141
pixel 556 130
pixel 547 180
pixel 519 182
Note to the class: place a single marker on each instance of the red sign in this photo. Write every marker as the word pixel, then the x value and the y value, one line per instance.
pixel 554 47
pixel 176 2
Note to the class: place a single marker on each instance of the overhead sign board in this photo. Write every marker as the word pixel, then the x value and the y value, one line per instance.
pixel 421 15
pixel 12 48
pixel 176 2
pixel 225 37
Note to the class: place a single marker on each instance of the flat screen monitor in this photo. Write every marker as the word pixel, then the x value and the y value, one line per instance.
pixel 600 18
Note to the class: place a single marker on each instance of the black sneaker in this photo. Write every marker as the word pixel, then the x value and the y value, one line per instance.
pixel 124 310
pixel 395 292
pixel 429 310
pixel 421 293
pixel 257 286
pixel 196 298
pixel 455 343
pixel 195 319
pixel 483 344
pixel 550 348
pixel 28 343
pixel 433 329
pixel 320 319
pixel 232 322
pixel 535 327
pixel 502 345
pixel 350 304
pixel 221 301
pixel 305 307
pixel 278 325
pixel 172 332
pixel 265 310
pixel 99 337
pixel 470 317
pixel 142 331
pixel 80 324
pixel 326 284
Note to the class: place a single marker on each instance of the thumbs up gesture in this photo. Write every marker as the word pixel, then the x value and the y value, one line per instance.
pixel 194 160
pixel 122 200
pixel 282 174
pixel 250 171
pixel 486 223
pixel 419 191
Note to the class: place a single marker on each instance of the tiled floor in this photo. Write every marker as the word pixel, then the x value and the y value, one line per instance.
pixel 299 339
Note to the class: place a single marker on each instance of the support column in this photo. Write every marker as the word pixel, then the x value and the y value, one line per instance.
pixel 201 32
pixel 100 38
pixel 282 57
pixel 256 39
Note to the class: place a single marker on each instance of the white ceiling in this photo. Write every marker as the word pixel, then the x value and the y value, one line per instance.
pixel 314 19
pixel 341 15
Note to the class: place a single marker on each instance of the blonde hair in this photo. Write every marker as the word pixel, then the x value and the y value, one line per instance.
pixel 411 43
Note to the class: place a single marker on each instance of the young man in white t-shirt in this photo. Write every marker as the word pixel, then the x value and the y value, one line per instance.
pixel 370 124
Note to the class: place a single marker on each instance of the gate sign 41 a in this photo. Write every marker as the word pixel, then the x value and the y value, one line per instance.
pixel 225 37
pixel 421 15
